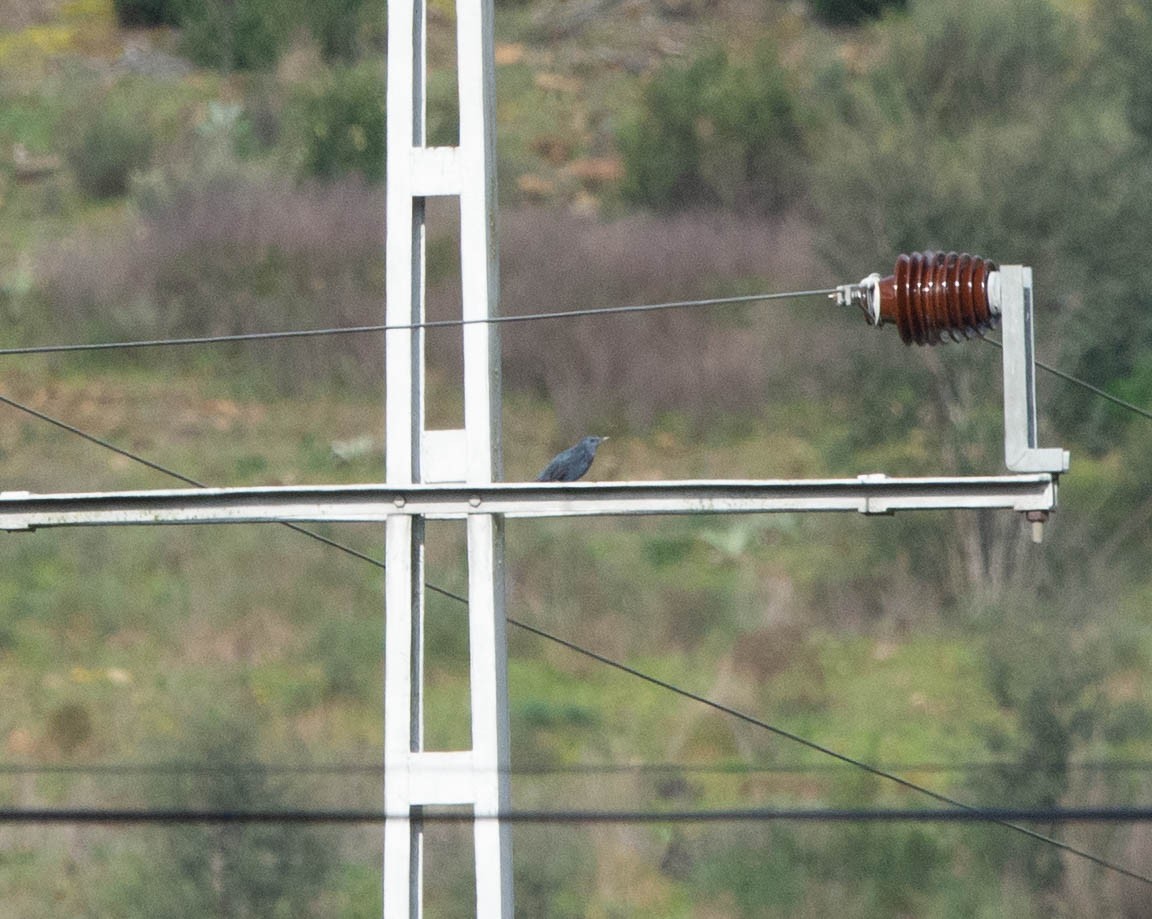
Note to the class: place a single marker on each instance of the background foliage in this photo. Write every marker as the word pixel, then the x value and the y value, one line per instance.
pixel 216 168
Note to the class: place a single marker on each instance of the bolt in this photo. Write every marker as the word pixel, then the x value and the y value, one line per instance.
pixel 1037 519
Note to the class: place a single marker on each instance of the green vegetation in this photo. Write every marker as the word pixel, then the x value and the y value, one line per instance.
pixel 240 190
pixel 342 124
pixel 853 12
pixel 148 12
pixel 715 132
pixel 112 143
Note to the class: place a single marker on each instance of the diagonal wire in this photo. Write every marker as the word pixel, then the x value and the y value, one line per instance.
pixel 625 668
pixel 1084 384
pixel 100 442
pixel 430 324
pixel 819 748
pixel 188 480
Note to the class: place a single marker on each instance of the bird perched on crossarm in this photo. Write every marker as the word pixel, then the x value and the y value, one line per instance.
pixel 572 463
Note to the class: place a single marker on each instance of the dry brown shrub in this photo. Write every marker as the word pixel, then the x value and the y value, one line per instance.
pixel 632 369
pixel 235 254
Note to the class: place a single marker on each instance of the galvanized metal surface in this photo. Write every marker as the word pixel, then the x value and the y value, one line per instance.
pixel 1021 450
pixel 866 494
pixel 416 455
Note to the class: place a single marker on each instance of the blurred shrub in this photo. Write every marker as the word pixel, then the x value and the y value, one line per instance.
pixel 231 252
pixel 554 872
pixel 112 141
pixel 758 870
pixel 342 27
pixel 853 12
pixel 636 370
pixel 239 251
pixel 130 13
pixel 716 132
pixel 261 870
pixel 234 34
pixel 69 727
pixel 1045 670
pixel 341 125
pixel 251 34
pixel 1127 34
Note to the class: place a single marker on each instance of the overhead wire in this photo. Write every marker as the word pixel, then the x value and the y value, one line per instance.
pixel 579 816
pixel 398 327
pixel 673 769
pixel 492 320
pixel 625 668
pixel 826 751
pixel 1083 384
pixel 179 476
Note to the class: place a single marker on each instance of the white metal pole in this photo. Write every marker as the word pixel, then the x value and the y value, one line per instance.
pixel 404 422
pixel 414 777
pixel 1021 450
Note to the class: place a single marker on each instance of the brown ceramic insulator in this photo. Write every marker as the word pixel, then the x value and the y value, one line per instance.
pixel 933 295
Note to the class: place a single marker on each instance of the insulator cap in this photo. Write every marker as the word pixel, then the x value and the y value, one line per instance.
pixel 935 294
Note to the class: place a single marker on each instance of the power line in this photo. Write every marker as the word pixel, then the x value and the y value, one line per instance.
pixel 430 324
pixel 720 769
pixel 1083 384
pixel 819 748
pixel 445 323
pixel 587 816
pixel 179 476
pixel 788 735
pixel 99 441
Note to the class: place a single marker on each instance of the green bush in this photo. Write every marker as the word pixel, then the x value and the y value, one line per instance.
pixel 251 34
pixel 341 124
pixel 147 12
pixel 341 27
pixel 235 34
pixel 715 132
pixel 112 142
pixel 853 12
pixel 262 870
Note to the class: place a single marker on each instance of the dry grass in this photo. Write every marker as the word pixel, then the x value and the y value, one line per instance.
pixel 234 255
pixel 630 370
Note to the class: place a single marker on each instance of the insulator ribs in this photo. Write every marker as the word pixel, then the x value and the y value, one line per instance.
pixel 936 294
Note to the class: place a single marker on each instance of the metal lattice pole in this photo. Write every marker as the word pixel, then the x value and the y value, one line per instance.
pixel 415 777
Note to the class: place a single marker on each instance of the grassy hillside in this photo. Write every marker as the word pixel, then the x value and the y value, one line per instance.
pixel 186 667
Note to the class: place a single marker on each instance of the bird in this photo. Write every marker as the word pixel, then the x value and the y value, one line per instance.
pixel 571 464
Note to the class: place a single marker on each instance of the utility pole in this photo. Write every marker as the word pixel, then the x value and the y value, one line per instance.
pixel 415 777
pixel 455 474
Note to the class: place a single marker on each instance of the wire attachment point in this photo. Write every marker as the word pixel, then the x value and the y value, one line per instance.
pixel 865 295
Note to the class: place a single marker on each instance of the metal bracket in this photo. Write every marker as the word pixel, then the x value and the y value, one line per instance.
pixel 1021 451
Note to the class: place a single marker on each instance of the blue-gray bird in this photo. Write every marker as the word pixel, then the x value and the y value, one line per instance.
pixel 572 463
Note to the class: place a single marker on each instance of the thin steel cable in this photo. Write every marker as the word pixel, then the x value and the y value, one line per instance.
pixel 1083 384
pixel 179 476
pixel 430 815
pixel 431 324
pixel 819 748
pixel 721 769
pixel 100 442
pixel 656 681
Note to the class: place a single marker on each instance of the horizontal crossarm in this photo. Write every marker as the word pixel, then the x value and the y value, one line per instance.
pixel 866 494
